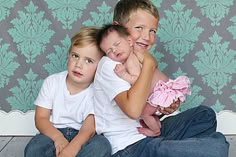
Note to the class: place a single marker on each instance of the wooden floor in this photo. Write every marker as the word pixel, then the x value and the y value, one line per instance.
pixel 14 146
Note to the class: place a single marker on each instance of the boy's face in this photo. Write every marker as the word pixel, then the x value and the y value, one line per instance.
pixel 82 64
pixel 142 27
pixel 116 47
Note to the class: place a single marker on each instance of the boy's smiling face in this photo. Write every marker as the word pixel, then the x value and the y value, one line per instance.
pixel 142 27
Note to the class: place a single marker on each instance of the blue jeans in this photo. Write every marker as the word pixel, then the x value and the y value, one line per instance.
pixel 190 133
pixel 42 146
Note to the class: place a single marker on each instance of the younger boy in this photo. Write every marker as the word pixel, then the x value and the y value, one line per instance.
pixel 64 106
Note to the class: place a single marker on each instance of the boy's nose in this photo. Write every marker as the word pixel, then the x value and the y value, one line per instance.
pixel 145 35
pixel 79 63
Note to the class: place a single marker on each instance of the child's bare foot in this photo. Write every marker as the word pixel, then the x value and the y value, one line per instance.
pixel 148 132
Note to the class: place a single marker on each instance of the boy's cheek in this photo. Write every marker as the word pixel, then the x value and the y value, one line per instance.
pixel 135 35
pixel 151 42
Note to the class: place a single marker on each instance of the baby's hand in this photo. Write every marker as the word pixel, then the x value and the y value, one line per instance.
pixel 120 70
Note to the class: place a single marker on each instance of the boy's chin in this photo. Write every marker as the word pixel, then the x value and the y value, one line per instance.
pixel 139 49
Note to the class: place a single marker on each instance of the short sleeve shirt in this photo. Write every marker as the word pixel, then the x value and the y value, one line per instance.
pixel 116 126
pixel 66 110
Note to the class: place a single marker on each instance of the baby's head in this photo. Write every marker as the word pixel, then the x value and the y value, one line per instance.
pixel 115 41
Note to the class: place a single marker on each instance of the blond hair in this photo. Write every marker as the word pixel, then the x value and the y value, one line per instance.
pixel 125 8
pixel 86 36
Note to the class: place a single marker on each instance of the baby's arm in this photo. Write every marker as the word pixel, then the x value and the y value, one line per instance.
pixel 42 116
pixel 122 72
pixel 85 133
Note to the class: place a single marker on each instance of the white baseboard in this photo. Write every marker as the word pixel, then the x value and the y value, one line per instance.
pixel 17 123
pixel 226 122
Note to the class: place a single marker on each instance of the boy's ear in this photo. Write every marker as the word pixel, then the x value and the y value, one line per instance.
pixel 115 23
pixel 129 39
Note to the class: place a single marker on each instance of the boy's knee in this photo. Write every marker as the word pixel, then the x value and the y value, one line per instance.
pixel 29 148
pixel 221 144
pixel 39 145
pixel 209 111
pixel 27 151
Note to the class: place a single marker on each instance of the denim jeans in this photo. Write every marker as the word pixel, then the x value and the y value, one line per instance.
pixel 42 146
pixel 191 133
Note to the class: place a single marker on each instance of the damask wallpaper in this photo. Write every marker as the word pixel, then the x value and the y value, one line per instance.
pixel 196 38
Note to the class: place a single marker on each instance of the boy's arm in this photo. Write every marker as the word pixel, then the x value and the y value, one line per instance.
pixel 42 116
pixel 85 133
pixel 132 101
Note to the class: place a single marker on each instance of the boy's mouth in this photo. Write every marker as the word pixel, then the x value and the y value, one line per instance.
pixel 77 74
pixel 142 45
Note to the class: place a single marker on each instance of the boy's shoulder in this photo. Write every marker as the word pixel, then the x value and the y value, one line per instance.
pixel 57 77
pixel 106 63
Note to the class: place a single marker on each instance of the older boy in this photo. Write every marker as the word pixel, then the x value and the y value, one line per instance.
pixel 118 105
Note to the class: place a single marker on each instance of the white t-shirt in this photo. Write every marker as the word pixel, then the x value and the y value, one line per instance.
pixel 117 127
pixel 67 110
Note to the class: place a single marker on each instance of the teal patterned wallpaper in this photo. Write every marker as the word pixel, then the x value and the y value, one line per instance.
pixel 195 38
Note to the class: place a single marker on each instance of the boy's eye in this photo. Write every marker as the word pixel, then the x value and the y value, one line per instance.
pixel 139 28
pixel 89 61
pixel 153 31
pixel 74 56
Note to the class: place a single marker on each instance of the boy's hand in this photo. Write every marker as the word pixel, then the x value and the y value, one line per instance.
pixel 65 153
pixel 68 152
pixel 60 143
pixel 172 108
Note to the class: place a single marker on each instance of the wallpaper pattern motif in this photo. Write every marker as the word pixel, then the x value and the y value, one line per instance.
pixel 195 38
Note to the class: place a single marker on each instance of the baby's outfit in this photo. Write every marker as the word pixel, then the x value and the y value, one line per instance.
pixel 165 93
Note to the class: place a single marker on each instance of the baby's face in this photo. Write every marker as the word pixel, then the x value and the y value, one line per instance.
pixel 116 47
pixel 142 27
